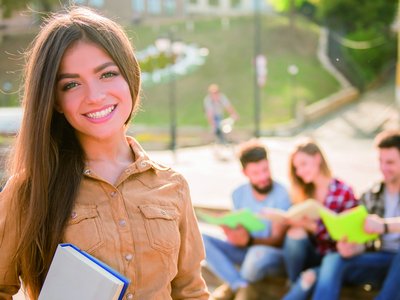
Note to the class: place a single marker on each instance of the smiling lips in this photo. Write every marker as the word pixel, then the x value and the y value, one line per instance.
pixel 101 114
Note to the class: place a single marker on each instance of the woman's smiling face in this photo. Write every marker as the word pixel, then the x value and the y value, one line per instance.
pixel 307 166
pixel 92 93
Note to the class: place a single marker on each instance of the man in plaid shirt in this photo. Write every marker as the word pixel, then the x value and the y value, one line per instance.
pixel 370 263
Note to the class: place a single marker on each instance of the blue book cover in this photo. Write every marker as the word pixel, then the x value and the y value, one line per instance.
pixel 75 274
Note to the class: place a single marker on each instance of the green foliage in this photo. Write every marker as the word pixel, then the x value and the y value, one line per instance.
pixel 353 15
pixel 369 62
pixel 366 22
pixel 285 5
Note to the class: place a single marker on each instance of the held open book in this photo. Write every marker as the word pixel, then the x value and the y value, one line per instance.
pixel 349 223
pixel 75 274
pixel 232 219
pixel 307 209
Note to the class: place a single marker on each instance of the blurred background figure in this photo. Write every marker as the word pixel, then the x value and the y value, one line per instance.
pixel 216 104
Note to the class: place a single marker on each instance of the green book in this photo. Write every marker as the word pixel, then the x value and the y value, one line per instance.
pixel 349 223
pixel 243 217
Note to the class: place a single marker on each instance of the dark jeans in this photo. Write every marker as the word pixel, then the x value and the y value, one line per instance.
pixel 369 267
pixel 299 255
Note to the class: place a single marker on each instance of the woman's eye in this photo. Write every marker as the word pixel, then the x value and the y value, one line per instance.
pixel 69 86
pixel 109 74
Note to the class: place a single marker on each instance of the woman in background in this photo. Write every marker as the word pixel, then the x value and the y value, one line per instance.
pixel 307 241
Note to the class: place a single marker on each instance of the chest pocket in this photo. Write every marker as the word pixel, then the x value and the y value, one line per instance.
pixel 84 228
pixel 161 227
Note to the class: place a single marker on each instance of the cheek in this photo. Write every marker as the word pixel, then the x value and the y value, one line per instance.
pixel 301 170
pixel 122 87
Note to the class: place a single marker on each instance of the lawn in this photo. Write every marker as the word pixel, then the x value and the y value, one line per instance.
pixel 229 64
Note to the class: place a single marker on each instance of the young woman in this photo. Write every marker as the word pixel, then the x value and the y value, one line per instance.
pixel 76 177
pixel 307 241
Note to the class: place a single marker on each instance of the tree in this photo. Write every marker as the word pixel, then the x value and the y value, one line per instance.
pixel 353 15
pixel 291 6
pixel 363 30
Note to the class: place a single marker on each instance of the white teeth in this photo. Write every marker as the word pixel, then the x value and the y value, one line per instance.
pixel 101 114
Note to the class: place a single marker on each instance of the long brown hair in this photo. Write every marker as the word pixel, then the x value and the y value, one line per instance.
pixel 47 161
pixel 300 190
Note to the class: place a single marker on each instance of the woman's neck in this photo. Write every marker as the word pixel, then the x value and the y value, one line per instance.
pixel 108 159
pixel 321 184
pixel 108 149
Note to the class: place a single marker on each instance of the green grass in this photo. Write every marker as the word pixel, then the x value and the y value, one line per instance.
pixel 229 64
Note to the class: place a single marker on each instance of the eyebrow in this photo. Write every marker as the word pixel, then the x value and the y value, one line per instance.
pixel 74 75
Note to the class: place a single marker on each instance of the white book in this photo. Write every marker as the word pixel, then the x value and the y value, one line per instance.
pixel 75 274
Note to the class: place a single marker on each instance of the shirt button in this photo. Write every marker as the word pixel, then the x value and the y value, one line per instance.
pixel 74 215
pixel 113 193
pixel 143 164
pixel 128 257
pixel 122 223
pixel 129 296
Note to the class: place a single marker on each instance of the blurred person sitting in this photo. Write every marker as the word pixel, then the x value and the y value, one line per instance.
pixel 379 262
pixel 257 254
pixel 307 240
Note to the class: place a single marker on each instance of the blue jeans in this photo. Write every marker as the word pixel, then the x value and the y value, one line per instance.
pixel 219 134
pixel 390 288
pixel 254 262
pixel 299 255
pixel 369 267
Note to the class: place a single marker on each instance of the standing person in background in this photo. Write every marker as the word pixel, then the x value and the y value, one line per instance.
pixel 215 106
pixel 307 241
pixel 378 262
pixel 257 253
pixel 75 177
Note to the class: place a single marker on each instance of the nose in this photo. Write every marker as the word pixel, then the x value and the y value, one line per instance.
pixel 94 93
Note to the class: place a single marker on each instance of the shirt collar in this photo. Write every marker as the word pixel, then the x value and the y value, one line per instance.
pixel 142 160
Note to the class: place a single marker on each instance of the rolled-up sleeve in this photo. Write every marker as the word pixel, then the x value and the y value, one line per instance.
pixel 9 282
pixel 189 283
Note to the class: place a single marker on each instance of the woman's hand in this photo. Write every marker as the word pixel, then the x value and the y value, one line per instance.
pixel 304 222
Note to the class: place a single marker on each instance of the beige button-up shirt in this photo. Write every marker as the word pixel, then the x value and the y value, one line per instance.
pixel 143 226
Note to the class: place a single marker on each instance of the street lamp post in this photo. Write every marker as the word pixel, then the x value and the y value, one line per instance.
pixel 293 70
pixel 173 49
pixel 257 50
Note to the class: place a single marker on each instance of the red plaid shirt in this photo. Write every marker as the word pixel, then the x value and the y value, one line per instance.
pixel 340 197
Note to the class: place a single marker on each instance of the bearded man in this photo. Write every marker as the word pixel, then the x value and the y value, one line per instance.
pixel 245 257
